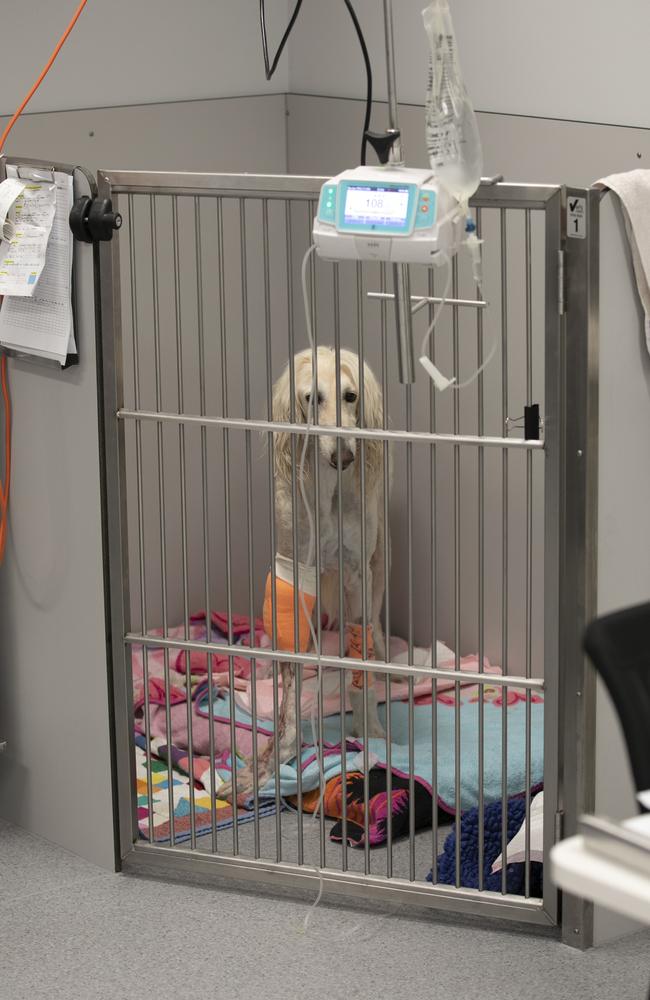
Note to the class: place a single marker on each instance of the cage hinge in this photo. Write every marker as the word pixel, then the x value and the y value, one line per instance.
pixel 559 825
pixel 561 283
pixel 93 219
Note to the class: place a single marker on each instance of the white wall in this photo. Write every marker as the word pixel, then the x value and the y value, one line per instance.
pixel 125 52
pixel 584 60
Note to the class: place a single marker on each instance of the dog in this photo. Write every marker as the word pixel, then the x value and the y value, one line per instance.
pixel 330 499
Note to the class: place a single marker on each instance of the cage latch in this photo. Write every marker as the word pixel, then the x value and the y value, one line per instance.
pixel 93 219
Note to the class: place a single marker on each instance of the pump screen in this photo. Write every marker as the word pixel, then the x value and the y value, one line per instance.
pixel 376 206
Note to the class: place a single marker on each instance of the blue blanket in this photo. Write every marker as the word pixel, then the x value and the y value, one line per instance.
pixel 423 749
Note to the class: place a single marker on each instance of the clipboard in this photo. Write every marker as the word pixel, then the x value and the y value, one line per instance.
pixel 25 166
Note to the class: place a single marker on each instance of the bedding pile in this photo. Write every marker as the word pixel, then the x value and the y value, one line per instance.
pixel 181 781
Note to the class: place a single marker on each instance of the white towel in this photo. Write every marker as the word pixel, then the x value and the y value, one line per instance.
pixel 633 189
pixel 516 849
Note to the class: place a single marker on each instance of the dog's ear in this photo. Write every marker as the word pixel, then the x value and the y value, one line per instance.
pixel 373 416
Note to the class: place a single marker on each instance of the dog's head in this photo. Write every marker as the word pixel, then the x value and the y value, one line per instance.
pixel 360 405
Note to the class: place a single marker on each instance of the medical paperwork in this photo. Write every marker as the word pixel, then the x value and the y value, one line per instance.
pixel 9 191
pixel 23 250
pixel 36 316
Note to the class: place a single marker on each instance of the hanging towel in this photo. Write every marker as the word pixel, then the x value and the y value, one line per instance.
pixel 633 189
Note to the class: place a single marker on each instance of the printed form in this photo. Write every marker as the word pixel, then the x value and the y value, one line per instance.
pixel 36 318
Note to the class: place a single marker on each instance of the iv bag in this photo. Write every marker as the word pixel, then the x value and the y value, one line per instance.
pixel 452 137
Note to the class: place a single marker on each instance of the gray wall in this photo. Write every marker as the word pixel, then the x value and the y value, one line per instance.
pixel 554 60
pixel 55 772
pixel 124 53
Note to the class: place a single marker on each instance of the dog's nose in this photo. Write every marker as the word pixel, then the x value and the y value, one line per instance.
pixel 346 458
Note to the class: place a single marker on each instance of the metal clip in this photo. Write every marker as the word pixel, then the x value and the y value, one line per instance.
pixel 35 173
pixel 531 423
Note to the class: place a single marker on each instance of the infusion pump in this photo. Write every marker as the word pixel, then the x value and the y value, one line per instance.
pixel 390 213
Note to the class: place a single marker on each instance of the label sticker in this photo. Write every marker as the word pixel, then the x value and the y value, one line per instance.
pixel 577 217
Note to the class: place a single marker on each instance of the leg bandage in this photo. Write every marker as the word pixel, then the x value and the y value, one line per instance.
pixel 354 645
pixel 285 604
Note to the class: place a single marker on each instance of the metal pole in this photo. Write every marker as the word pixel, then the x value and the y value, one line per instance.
pixel 401 278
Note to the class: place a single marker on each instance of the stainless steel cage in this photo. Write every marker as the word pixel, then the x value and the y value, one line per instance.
pixel 492 534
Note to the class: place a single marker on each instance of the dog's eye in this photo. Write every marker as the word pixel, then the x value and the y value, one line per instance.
pixel 350 397
pixel 319 397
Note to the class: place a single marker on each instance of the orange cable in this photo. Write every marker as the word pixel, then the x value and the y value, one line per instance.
pixel 4 490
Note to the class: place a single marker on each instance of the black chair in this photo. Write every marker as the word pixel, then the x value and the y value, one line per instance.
pixel 619 647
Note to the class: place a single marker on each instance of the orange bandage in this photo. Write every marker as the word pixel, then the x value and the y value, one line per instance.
pixel 354 643
pixel 284 612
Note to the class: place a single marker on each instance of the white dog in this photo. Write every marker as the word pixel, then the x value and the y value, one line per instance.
pixel 349 500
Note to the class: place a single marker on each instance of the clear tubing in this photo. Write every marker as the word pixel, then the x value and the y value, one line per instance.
pixel 311 209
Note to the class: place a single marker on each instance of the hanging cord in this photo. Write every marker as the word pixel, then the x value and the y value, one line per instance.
pixel 309 419
pixel 271 66
pixel 366 60
pixel 441 305
pixel 4 489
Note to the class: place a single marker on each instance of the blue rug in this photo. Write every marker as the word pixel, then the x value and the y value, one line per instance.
pixel 469 839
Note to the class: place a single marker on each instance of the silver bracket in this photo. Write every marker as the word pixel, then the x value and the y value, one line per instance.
pixel 561 282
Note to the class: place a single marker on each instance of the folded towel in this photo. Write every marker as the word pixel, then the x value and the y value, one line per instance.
pixel 633 189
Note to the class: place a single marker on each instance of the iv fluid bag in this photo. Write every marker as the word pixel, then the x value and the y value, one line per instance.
pixel 453 142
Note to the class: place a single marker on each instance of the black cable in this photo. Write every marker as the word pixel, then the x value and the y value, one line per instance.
pixel 270 69
pixel 366 59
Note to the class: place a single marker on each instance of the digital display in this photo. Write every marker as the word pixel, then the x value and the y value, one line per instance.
pixel 376 206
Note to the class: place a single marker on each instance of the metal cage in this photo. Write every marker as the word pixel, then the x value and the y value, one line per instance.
pixel 491 533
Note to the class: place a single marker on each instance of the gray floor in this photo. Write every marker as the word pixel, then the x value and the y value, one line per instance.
pixel 73 931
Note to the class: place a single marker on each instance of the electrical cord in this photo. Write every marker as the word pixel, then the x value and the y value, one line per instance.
pixel 4 489
pixel 366 60
pixel 271 66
